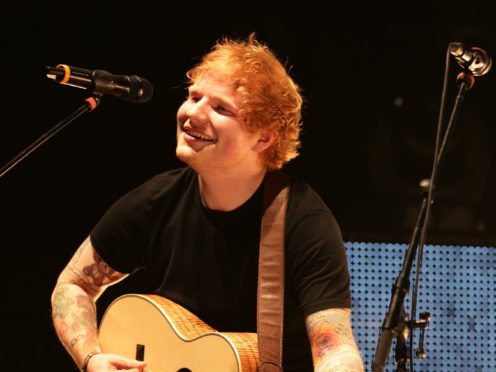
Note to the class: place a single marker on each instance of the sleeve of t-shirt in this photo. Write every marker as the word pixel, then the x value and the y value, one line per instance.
pixel 121 234
pixel 317 260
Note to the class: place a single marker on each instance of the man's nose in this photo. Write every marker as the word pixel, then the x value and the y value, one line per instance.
pixel 198 110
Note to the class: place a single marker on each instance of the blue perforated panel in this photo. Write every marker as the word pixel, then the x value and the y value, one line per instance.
pixel 457 287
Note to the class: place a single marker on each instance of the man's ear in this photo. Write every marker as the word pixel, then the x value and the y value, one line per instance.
pixel 265 140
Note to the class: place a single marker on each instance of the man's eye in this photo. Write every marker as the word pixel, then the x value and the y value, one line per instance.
pixel 223 110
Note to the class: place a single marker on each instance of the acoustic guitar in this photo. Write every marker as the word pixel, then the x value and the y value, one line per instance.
pixel 172 339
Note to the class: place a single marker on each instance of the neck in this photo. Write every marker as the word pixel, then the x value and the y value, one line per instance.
pixel 226 192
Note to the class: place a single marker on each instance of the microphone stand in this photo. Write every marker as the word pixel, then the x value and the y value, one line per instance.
pixel 395 323
pixel 89 105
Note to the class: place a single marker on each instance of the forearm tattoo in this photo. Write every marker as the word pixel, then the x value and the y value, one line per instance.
pixel 76 316
pixel 74 311
pixel 332 342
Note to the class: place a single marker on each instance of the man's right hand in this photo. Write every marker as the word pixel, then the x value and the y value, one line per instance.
pixel 112 362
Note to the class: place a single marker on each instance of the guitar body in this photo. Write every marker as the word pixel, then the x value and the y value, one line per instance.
pixel 171 339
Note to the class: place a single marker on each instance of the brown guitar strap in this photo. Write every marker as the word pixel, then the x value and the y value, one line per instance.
pixel 270 301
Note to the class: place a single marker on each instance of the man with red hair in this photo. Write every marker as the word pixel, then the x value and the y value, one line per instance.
pixel 196 230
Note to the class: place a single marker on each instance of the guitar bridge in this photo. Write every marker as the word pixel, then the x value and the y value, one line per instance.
pixel 140 352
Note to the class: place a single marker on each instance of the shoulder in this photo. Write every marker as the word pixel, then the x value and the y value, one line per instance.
pixel 154 190
pixel 301 193
pixel 164 183
pixel 304 203
pixel 312 231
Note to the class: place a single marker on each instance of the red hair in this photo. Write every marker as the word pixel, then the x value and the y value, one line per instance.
pixel 267 96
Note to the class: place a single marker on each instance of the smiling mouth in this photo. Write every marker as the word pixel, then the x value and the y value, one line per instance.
pixel 198 135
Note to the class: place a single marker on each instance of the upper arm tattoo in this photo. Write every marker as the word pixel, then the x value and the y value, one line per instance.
pixel 94 274
pixel 100 272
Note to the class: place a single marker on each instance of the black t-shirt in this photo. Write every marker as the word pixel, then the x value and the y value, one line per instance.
pixel 207 260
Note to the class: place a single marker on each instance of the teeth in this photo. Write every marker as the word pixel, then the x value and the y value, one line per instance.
pixel 199 136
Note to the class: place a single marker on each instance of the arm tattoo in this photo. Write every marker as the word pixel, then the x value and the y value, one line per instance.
pixel 341 363
pixel 99 271
pixel 329 331
pixel 76 339
pixel 82 281
pixel 78 318
pixel 86 324
pixel 80 250
pixel 332 342
pixel 61 304
pixel 95 275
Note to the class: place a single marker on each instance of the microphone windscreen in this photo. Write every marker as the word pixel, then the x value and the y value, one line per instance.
pixel 141 90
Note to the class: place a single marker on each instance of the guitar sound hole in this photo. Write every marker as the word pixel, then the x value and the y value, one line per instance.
pixel 184 370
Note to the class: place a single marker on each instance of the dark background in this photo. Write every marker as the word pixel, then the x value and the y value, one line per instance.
pixel 372 85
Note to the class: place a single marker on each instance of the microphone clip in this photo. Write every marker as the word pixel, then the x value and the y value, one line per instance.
pixel 474 59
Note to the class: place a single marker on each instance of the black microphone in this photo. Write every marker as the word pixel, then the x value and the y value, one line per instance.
pixel 474 59
pixel 130 88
